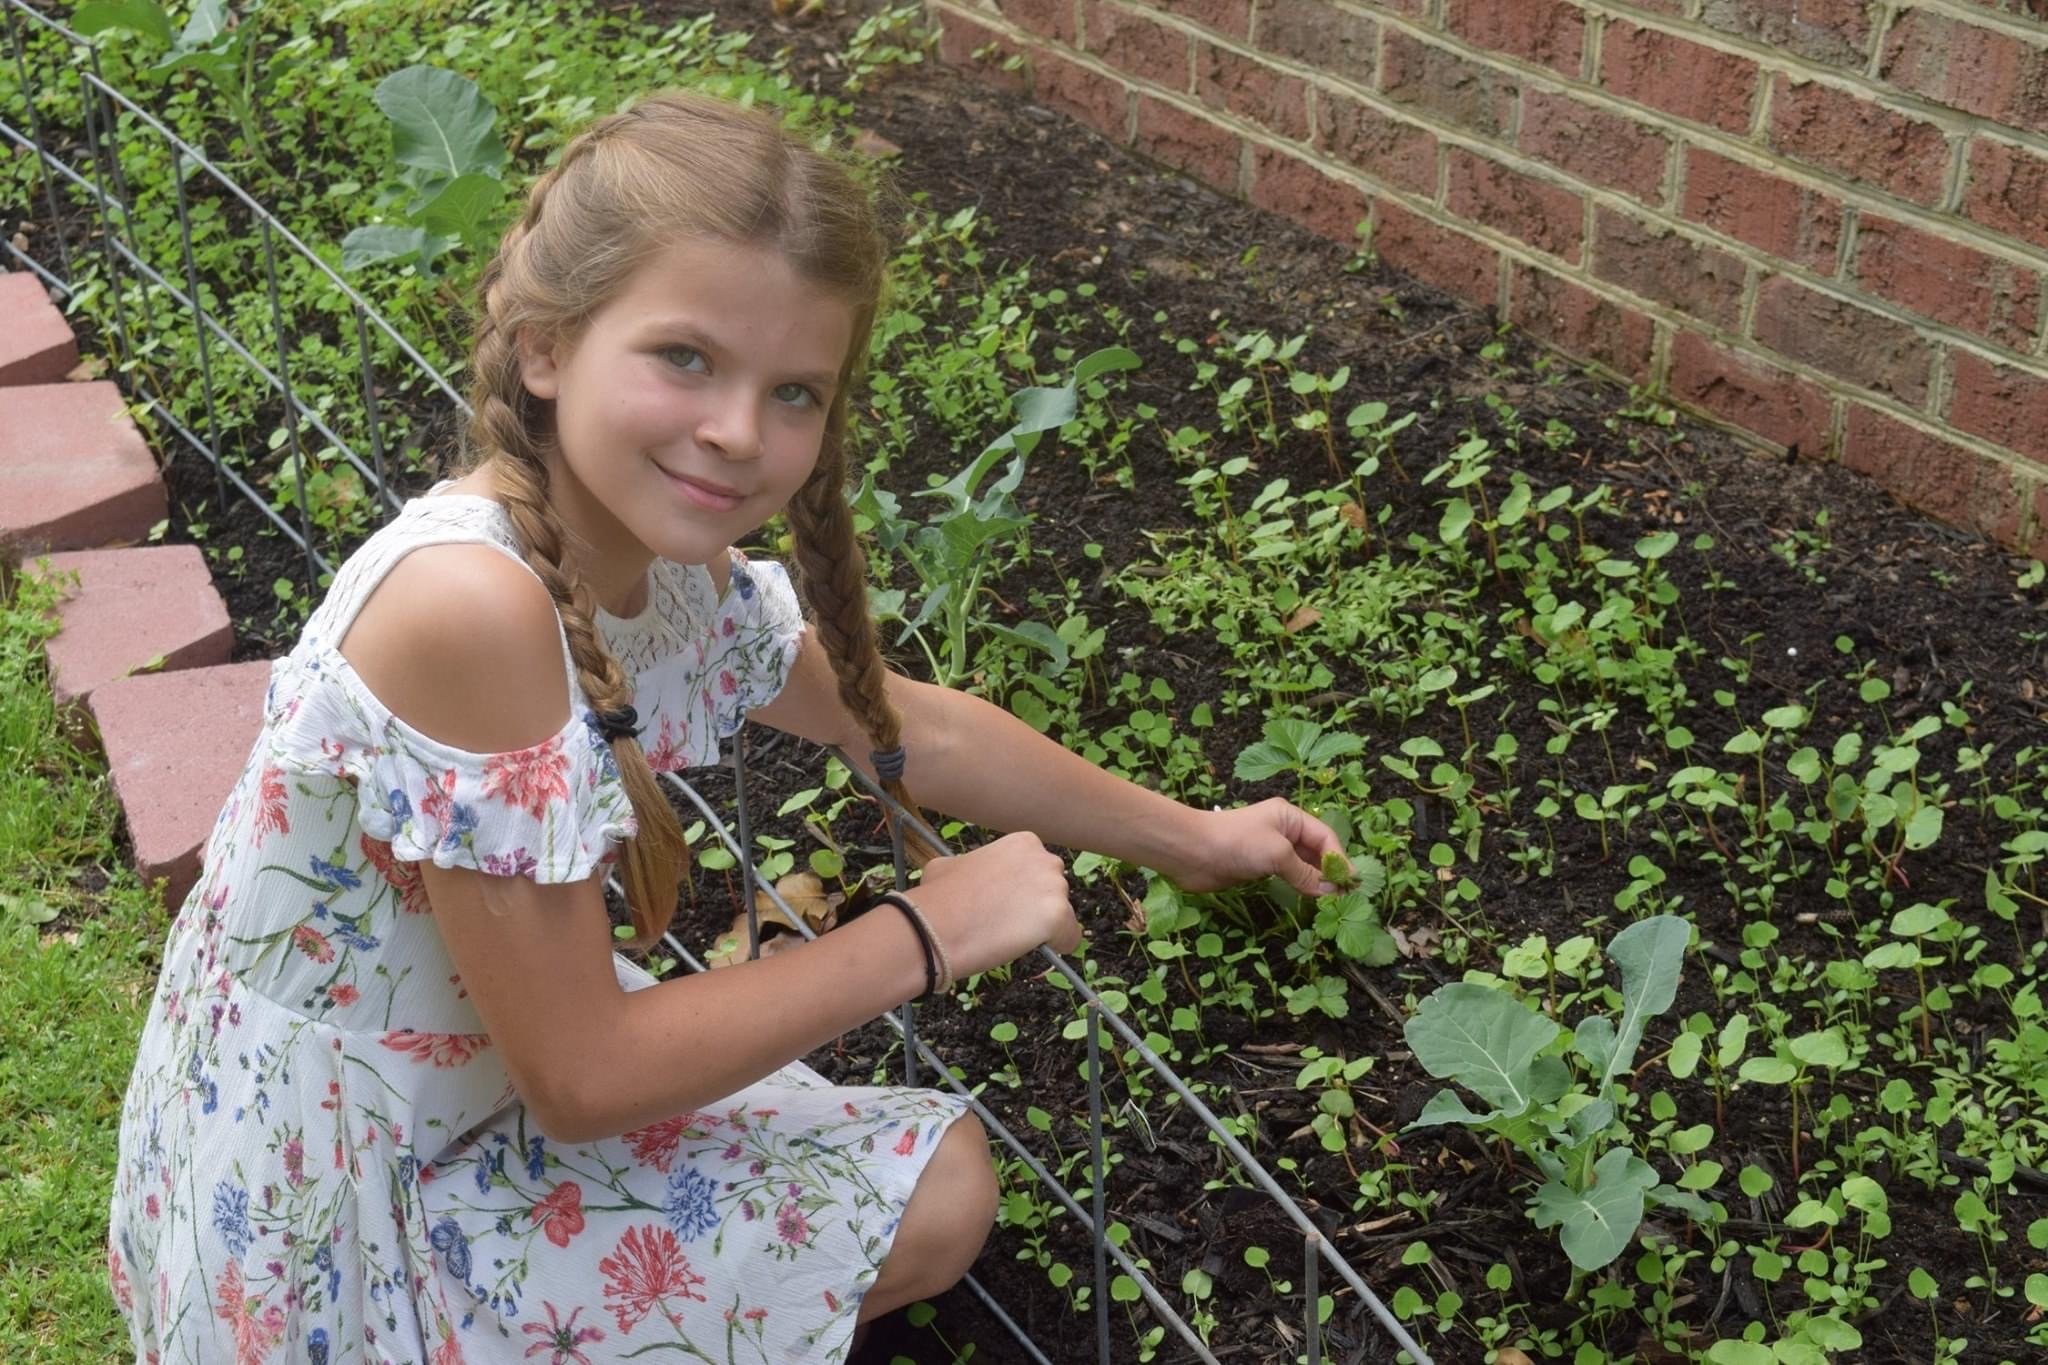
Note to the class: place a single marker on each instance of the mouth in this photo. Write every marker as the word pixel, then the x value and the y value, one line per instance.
pixel 704 492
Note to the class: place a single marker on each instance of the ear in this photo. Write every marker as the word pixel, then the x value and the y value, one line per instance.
pixel 538 368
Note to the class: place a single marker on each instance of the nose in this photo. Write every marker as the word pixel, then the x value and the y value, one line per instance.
pixel 731 425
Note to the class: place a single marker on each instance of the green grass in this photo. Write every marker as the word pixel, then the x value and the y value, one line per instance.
pixel 79 939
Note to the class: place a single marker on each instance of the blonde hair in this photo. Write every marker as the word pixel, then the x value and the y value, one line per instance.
pixel 678 165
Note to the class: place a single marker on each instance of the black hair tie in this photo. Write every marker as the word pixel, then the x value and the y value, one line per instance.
pixel 888 763
pixel 621 722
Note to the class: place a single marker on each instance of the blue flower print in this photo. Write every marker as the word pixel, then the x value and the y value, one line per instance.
pixel 212 1100
pixel 335 875
pixel 742 581
pixel 349 930
pixel 399 804
pixel 536 1151
pixel 448 1239
pixel 689 1207
pixel 486 1167
pixel 316 1346
pixel 231 1216
pixel 408 1170
pixel 461 824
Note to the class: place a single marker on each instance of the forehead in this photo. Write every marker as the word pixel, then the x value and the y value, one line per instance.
pixel 744 299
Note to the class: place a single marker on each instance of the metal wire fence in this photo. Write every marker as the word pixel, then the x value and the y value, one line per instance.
pixel 82 138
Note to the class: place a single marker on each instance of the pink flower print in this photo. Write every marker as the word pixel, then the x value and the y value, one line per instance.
pixel 561 1213
pixel 449 1352
pixel 562 1338
pixel 294 1162
pixel 442 1049
pixel 656 1144
pixel 118 1275
pixel 791 1225
pixel 256 1335
pixel 343 994
pixel 647 1267
pixel 727 628
pixel 907 1144
pixel 530 778
pixel 851 1111
pixel 312 943
pixel 727 683
pixel 438 804
pixel 151 1207
pixel 272 815
pixel 665 757
pixel 412 890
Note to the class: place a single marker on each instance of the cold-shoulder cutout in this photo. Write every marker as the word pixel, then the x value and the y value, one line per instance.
pixel 462 642
pixel 524 787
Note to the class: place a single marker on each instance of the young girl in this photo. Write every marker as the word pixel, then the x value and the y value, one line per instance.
pixel 396 1098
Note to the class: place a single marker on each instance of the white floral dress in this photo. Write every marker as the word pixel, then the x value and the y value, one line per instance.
pixel 321 1157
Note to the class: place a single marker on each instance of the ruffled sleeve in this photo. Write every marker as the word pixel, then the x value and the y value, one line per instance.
pixel 552 812
pixel 728 658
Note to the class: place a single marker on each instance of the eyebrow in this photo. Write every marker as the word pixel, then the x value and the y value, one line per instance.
pixel 690 334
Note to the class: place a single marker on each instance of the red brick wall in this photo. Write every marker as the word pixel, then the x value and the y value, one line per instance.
pixel 1823 222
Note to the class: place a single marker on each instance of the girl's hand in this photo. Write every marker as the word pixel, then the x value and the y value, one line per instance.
pixel 1275 838
pixel 997 903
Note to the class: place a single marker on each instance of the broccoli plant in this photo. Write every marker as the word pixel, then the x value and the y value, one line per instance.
pixel 1550 1093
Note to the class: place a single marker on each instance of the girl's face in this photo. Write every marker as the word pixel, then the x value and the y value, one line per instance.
pixel 692 406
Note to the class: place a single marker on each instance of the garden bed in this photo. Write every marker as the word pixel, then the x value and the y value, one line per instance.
pixel 1768 608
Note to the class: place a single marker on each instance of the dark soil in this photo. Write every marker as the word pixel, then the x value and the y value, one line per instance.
pixel 1937 609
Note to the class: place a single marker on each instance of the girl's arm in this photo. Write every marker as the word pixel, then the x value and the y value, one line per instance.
pixel 977 762
pixel 461 642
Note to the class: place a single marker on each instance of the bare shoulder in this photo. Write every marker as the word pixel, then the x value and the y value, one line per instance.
pixel 462 643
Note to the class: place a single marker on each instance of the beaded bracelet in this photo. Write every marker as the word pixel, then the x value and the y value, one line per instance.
pixel 938 971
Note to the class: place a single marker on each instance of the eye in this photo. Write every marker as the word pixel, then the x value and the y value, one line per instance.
pixel 799 395
pixel 683 357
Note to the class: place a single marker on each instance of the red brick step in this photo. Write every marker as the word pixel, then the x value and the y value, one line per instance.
pixel 176 743
pixel 74 471
pixel 152 608
pixel 36 345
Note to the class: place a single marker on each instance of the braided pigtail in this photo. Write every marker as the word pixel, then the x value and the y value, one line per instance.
pixel 834 573
pixel 652 862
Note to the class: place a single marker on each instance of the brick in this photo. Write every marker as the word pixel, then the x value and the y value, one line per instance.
pixel 1549 33
pixel 74 472
pixel 2007 190
pixel 1845 133
pixel 1285 184
pixel 152 606
pixel 1745 391
pixel 1594 145
pixel 1395 153
pixel 1978 70
pixel 1100 101
pixel 36 346
pixel 1207 151
pixel 1231 18
pixel 1138 46
pixel 1787 219
pixel 1548 217
pixel 1052 19
pixel 2001 403
pixel 1439 82
pixel 1317 33
pixel 177 745
pixel 1929 474
pixel 1844 339
pixel 960 38
pixel 1252 90
pixel 1941 278
pixel 1435 255
pixel 1649 259
pixel 1678 76
pixel 1578 321
pixel 1833 31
